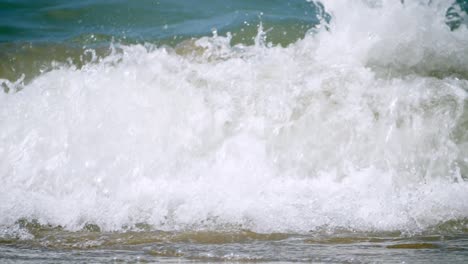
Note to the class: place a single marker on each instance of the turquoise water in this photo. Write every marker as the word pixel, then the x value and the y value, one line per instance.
pixel 59 21
pixel 59 30
pixel 234 131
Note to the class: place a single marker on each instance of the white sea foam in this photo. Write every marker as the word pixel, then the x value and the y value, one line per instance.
pixel 345 128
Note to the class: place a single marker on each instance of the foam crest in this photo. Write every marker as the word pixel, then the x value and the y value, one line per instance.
pixel 396 38
pixel 272 139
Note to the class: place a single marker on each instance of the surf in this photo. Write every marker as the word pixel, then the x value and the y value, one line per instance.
pixel 360 125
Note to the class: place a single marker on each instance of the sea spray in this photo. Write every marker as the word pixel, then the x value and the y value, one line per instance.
pixel 358 126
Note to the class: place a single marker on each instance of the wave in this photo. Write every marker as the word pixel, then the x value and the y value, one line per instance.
pixel 358 126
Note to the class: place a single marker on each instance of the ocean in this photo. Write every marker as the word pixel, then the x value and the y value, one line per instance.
pixel 236 131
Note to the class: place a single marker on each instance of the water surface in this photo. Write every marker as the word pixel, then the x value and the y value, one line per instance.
pixel 237 131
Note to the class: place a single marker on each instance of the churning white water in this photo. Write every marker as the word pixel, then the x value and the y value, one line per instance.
pixel 361 126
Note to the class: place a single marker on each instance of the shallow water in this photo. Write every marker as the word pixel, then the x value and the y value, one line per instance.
pixel 270 131
pixel 440 245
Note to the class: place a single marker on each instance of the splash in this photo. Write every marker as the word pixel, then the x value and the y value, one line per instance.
pixel 360 125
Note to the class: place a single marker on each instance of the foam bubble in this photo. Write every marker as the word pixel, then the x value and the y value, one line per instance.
pixel 272 139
